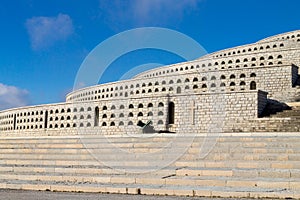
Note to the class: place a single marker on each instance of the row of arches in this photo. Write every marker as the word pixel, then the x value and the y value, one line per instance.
pixel 231 84
pixel 203 65
pixel 143 88
pixel 250 49
pixel 150 114
pixel 69 118
pixel 130 114
pixel 131 106
pixel 69 125
pixel 89 94
pixel 29 127
pixel 30 120
pixel 287 37
pixel 9 116
pixel 32 113
pixel 247 60
pixel 130 123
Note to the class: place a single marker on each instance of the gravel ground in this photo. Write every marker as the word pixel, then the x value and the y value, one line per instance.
pixel 44 195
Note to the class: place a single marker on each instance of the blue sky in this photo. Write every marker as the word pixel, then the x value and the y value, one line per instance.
pixel 43 43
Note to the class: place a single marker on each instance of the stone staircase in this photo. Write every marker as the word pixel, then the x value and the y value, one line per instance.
pixel 258 165
pixel 287 120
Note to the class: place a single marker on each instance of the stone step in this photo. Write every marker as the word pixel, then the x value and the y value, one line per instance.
pixel 216 156
pixel 203 191
pixel 153 163
pixel 219 141
pixel 188 171
pixel 90 170
pixel 99 139
pixel 141 143
pixel 244 147
pixel 240 164
pixel 220 181
pixel 219 154
pixel 241 173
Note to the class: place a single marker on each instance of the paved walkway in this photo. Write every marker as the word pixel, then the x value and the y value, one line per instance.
pixel 43 195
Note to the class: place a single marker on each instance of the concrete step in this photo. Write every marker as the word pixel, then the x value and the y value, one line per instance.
pixel 215 156
pixel 90 170
pixel 241 173
pixel 188 171
pixel 153 163
pixel 240 164
pixel 245 165
pixel 211 181
pixel 292 142
pixel 140 142
pixel 202 191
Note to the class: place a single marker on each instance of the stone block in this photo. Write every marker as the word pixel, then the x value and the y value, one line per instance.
pixel 150 181
pixel 231 194
pixel 203 193
pixel 272 184
pixel 220 183
pixel 63 188
pixel 116 190
pixel 123 180
pixel 156 191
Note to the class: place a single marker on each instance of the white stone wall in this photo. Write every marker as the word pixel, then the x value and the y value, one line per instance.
pixel 220 87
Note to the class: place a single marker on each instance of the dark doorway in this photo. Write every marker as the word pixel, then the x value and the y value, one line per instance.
pixel 171 113
pixel 15 119
pixel 96 123
pixel 46 119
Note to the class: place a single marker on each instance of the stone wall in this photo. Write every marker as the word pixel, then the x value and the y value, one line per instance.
pixel 192 113
pixel 205 94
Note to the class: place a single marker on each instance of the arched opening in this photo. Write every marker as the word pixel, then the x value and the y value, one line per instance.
pixel 160 104
pixel 252 75
pixel 178 90
pixel 253 85
pixel 171 113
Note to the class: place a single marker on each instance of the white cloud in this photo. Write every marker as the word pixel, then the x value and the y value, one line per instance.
pixel 145 12
pixel 11 96
pixel 45 31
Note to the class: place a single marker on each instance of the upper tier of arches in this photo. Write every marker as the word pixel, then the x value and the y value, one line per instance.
pixel 261 47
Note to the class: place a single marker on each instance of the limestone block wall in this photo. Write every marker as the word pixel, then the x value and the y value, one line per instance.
pixel 287 44
pixel 123 115
pixel 203 113
pixel 264 75
pixel 196 113
pixel 180 97
pixel 277 81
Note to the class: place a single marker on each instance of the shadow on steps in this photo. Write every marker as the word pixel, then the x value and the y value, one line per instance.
pixel 273 107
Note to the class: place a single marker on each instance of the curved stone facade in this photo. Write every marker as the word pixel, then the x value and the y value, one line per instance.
pixel 224 86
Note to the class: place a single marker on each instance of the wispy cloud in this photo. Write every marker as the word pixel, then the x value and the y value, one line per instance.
pixel 145 12
pixel 46 31
pixel 11 96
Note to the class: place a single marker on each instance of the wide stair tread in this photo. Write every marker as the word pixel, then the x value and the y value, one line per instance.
pixel 237 166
